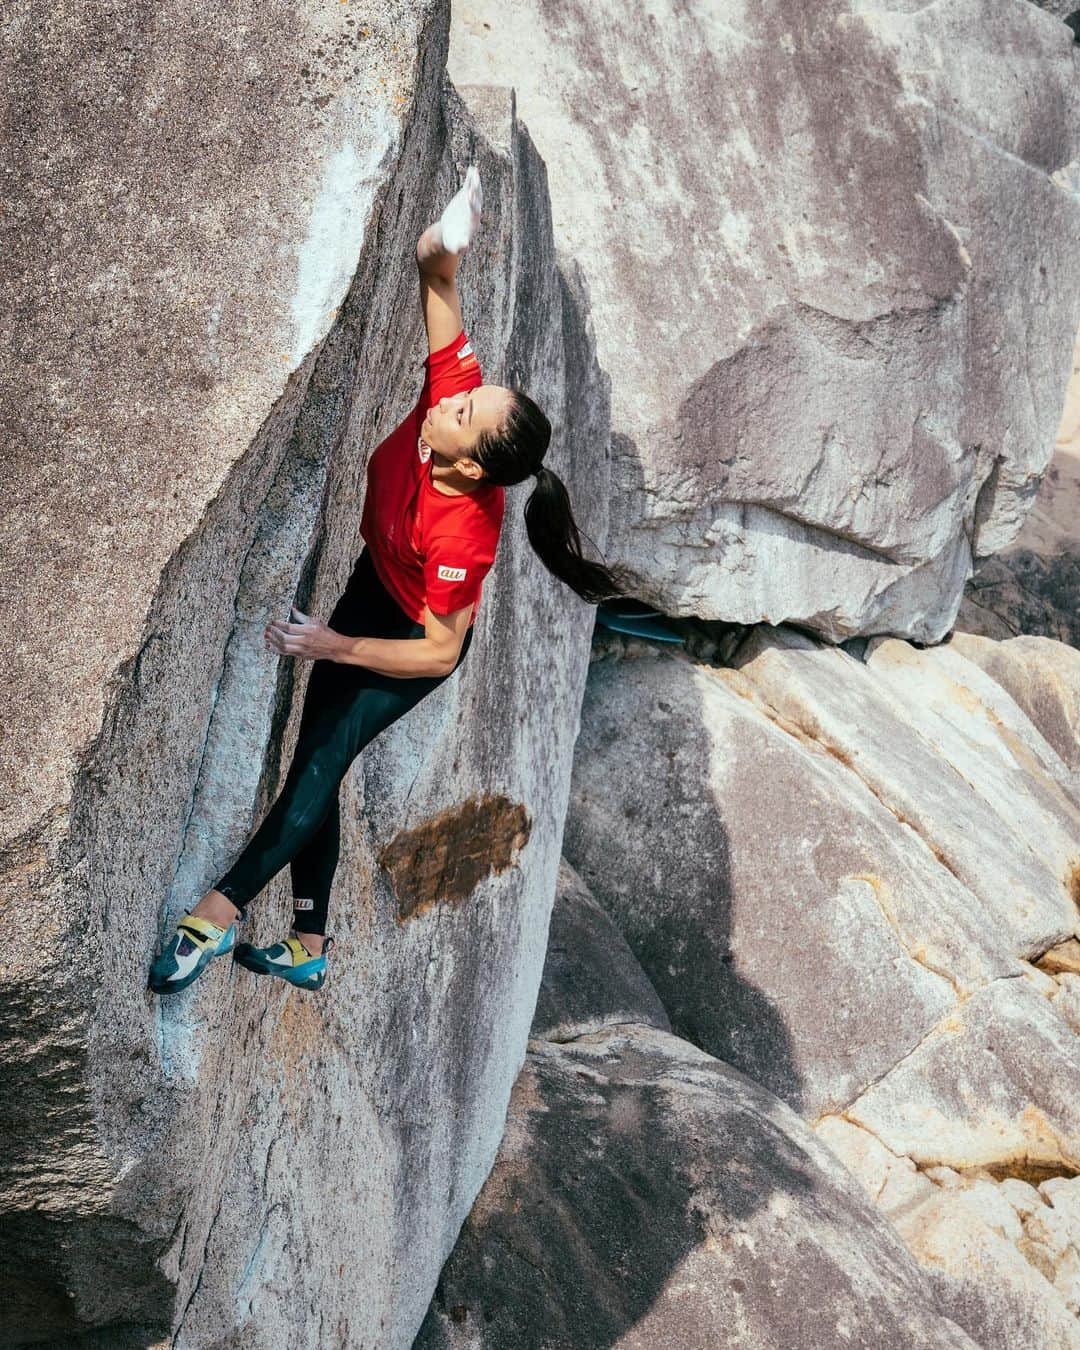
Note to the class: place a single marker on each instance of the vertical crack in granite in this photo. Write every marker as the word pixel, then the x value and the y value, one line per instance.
pixel 284 522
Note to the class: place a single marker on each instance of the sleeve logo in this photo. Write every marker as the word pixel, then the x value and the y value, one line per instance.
pixel 451 573
pixel 465 351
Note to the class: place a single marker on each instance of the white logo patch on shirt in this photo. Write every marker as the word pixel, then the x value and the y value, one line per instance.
pixel 451 573
pixel 465 351
pixel 423 450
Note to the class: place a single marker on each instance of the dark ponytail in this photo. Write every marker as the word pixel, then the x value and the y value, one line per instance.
pixel 509 456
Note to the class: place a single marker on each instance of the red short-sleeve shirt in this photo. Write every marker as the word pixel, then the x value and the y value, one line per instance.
pixel 427 547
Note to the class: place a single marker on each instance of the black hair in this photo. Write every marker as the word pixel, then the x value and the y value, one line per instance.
pixel 510 455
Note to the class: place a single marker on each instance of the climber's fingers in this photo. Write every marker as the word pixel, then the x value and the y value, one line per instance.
pixel 312 639
pixel 474 193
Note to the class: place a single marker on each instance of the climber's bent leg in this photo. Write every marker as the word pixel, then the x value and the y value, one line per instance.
pixel 313 871
pixel 345 708
pixel 331 689
pixel 377 705
pixel 310 790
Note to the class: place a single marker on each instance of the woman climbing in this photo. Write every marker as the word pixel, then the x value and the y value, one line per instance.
pixel 432 513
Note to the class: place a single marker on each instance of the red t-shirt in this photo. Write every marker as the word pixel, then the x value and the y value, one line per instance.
pixel 427 547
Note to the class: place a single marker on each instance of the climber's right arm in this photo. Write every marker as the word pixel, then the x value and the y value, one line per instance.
pixel 438 289
pixel 438 252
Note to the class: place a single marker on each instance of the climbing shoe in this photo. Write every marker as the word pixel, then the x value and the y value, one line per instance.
pixel 288 960
pixel 193 946
pixel 631 616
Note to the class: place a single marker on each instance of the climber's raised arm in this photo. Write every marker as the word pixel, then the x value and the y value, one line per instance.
pixel 438 252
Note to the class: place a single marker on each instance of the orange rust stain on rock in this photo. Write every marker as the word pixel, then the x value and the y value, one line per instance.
pixel 1033 1171
pixel 444 859
pixel 1044 1146
pixel 1062 959
pixel 299 1034
pixel 969 700
pixel 938 853
pixel 1072 881
pixel 841 755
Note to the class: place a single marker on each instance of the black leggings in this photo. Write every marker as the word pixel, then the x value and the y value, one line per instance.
pixel 345 707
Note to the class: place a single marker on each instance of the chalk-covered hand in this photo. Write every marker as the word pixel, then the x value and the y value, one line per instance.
pixel 310 639
pixel 461 219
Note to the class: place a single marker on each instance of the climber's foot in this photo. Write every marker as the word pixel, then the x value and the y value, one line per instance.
pixel 288 960
pixel 314 942
pixel 461 218
pixel 218 908
pixel 187 954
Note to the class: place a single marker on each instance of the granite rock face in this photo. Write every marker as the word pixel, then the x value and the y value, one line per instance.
pixel 836 873
pixel 591 978
pixel 830 249
pixel 1001 1253
pixel 1042 676
pixel 863 892
pixel 214 332
pixel 1033 586
pixel 837 864
pixel 646 1195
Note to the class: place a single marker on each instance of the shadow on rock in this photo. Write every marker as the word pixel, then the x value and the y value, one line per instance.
pixel 645 1195
pixel 646 832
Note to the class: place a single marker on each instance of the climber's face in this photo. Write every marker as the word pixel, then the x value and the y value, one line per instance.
pixel 453 426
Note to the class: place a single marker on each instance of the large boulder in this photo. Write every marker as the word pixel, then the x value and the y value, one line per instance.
pixel 705 1206
pixel 649 1197
pixel 810 881
pixel 831 253
pixel 857 881
pixel 217 320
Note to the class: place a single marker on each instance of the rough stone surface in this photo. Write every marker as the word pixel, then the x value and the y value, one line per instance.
pixel 824 883
pixel 214 331
pixel 1067 999
pixel 591 977
pixel 1033 586
pixel 184 222
pixel 875 215
pixel 648 1197
pixel 856 845
pixel 971 719
pixel 951 756
pixel 1042 676
pixel 1023 591
pixel 992 1086
pixel 838 867
pixel 975 1238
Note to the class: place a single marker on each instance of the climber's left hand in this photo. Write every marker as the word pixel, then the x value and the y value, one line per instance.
pixel 310 639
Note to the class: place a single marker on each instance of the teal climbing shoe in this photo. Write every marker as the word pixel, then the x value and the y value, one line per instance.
pixel 635 617
pixel 193 946
pixel 288 960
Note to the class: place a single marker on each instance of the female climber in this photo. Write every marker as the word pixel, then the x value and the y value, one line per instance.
pixel 432 514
